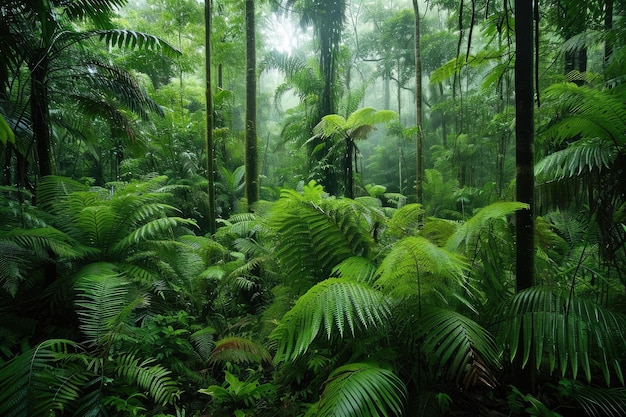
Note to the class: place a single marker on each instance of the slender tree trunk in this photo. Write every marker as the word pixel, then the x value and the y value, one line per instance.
pixel 40 115
pixel 418 107
pixel 525 181
pixel 349 184
pixel 252 169
pixel 608 25
pixel 210 155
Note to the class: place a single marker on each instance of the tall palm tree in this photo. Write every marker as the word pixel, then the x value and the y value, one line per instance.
pixel 37 37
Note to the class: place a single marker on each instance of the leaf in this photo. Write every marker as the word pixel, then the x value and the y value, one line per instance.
pixel 6 133
pixel 238 350
pixel 362 390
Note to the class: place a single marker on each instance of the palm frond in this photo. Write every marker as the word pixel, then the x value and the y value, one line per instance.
pixel 600 402
pixel 580 158
pixel 332 308
pixel 458 349
pixel 153 229
pixel 566 332
pixel 238 350
pixel 591 114
pixel 362 390
pixel 130 39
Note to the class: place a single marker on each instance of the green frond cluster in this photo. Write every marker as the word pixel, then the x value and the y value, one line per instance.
pixel 458 348
pixel 415 265
pixel 315 233
pixel 362 390
pixel 470 232
pixel 102 302
pixel 336 307
pixel 580 158
pixel 591 114
pixel 153 379
pixel 566 333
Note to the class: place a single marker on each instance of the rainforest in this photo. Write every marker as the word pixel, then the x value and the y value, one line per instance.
pixel 312 208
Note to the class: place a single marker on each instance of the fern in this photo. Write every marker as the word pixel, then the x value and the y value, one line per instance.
pixel 313 233
pixel 414 265
pixel 469 233
pixel 332 308
pixel 592 114
pixel 154 379
pixel 362 390
pixel 102 301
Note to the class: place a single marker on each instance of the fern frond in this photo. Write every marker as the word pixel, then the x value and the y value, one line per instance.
pixel 203 341
pixel 362 390
pixel 238 350
pixel 154 229
pixel 356 268
pixel 331 308
pixel 154 379
pixel 416 265
pixel 101 299
pixel 480 222
pixel 406 220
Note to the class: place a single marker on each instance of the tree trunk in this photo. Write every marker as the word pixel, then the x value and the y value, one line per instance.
pixel 608 25
pixel 40 115
pixel 210 158
pixel 524 141
pixel 349 171
pixel 252 169
pixel 418 107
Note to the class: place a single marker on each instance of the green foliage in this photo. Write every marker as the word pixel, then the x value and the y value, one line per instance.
pixel 240 398
pixel 363 390
pixel 238 350
pixel 459 349
pixel 314 232
pixel 566 333
pixel 334 308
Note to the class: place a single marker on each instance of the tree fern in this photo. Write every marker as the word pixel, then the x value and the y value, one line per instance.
pixel 361 390
pixel 333 308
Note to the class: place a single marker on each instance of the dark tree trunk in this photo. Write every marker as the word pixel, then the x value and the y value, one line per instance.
pixel 525 182
pixel 608 25
pixel 209 122
pixel 252 169
pixel 419 191
pixel 348 168
pixel 40 115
